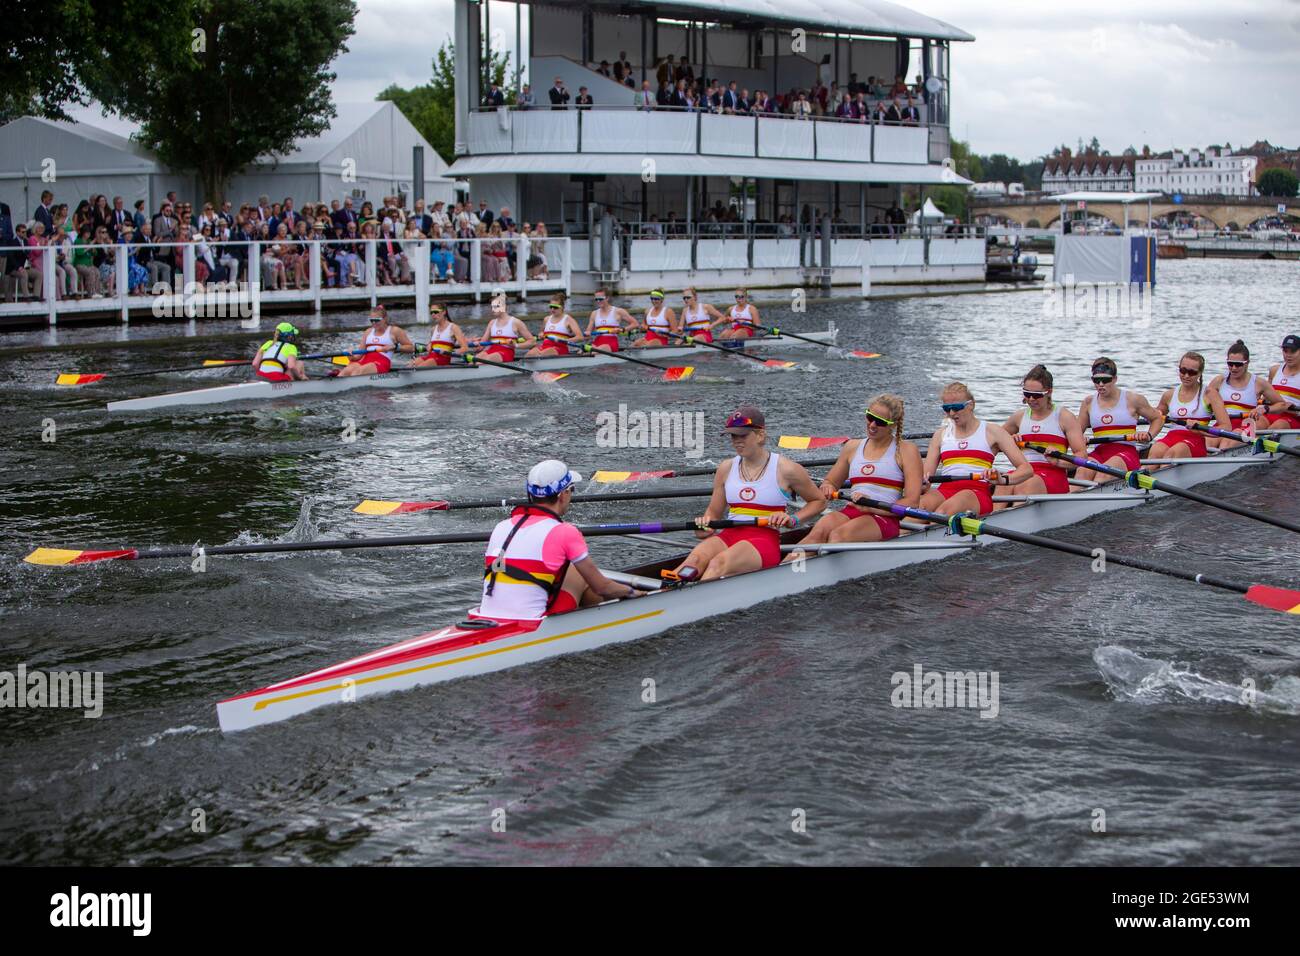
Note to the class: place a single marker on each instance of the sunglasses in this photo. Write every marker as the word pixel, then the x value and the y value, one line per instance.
pixel 600 300
pixel 740 297
pixel 688 297
pixel 554 307
pixel 1102 379
pixel 877 420
pixel 954 406
pixel 1232 364
pixel 375 319
pixel 1188 371
pixel 1029 394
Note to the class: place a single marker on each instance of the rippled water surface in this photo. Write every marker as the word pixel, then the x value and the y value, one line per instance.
pixel 1118 691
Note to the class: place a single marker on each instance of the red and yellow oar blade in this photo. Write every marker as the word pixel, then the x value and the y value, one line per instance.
pixel 858 353
pixel 340 360
pixel 57 557
pixel 547 377
pixel 778 363
pixel 616 477
pixel 209 363
pixel 69 378
pixel 371 507
pixel 806 441
pixel 679 373
pixel 1278 599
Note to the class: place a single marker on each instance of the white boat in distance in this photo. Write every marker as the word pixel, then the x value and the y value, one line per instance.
pixel 450 374
pixel 462 650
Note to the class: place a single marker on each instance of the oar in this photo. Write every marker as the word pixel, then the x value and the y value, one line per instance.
pixel 676 373
pixel 537 376
pixel 738 352
pixel 72 378
pixel 1261 444
pixel 372 507
pixel 1144 480
pixel 1274 598
pixel 61 556
pixel 773 330
pixel 617 477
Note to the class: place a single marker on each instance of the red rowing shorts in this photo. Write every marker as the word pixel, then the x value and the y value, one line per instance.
pixel 1284 421
pixel 550 345
pixel 981 489
pixel 607 342
pixel 1129 453
pixel 564 601
pixel 379 360
pixel 1055 479
pixel 657 337
pixel 499 352
pixel 1193 440
pixel 749 333
pixel 275 376
pixel 889 526
pixel 766 541
pixel 438 358
pixel 704 335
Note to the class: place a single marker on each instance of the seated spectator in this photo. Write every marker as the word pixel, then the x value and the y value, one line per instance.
pixel 442 256
pixel 625 66
pixel 910 115
pixel 104 258
pixel 762 104
pixel 802 108
pixel 899 88
pixel 850 109
pixel 653 227
pixel 36 253
pixel 137 277
pixel 664 98
pixel 645 99
pixel 893 114
pixel 745 103
pixel 83 260
pixel 605 71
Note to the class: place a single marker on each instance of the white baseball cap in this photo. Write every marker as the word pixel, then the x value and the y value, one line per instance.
pixel 548 478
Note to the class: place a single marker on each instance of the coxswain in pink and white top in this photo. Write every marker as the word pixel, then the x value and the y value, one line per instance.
pixel 445 338
pixel 560 331
pixel 660 323
pixel 962 451
pixel 743 318
pixel 504 332
pixel 1111 414
pixel 535 564
pixel 699 319
pixel 1249 398
pixel 1050 426
pixel 607 322
pixel 1285 379
pixel 880 469
pixel 1189 402
pixel 757 482
pixel 379 343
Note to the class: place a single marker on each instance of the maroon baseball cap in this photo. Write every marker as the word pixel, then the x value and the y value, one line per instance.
pixel 744 420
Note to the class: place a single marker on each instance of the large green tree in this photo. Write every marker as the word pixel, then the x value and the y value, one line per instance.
pixel 241 80
pixel 1278 182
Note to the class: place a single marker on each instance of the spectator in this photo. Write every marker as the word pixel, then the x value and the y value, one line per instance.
pixel 440 217
pixel 802 108
pixel 653 227
pixel 83 261
pixel 623 65
pixel 679 95
pixel 136 274
pixel 604 70
pixel 731 99
pixel 583 102
pixel 226 215
pixel 645 98
pixel 559 95
pixel 526 100
pixel 36 254
pixel 850 109
pixel 854 85
pixel 899 88
pixel 893 115
pixel 66 282
pixel 99 213
pixel 349 261
pixel 494 97
pixel 43 214
pixel 664 72
pixel 103 256
pixel 484 213
pixel 153 259
pixel 391 253
pixel 346 215
pixel 503 217
pixel 762 104
pixel 139 218
pixel 910 115
pixel 664 99
pixel 117 218
pixel 745 103
pixel 442 256
pixel 421 219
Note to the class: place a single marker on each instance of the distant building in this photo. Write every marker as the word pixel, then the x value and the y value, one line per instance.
pixel 1088 172
pixel 1214 172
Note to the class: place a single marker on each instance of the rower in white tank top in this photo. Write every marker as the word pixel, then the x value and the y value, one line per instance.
pixel 1111 422
pixel 374 341
pixel 880 479
pixel 962 456
pixel 739 316
pixel 758 498
pixel 1045 431
pixel 1240 401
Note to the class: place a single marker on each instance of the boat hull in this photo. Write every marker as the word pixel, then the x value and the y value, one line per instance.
pixel 457 651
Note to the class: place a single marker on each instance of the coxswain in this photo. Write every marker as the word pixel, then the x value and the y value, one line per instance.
pixel 1051 427
pixel 699 319
pixel 1249 398
pixel 607 322
pixel 660 323
pixel 559 330
pixel 757 482
pixel 1190 401
pixel 378 343
pixel 277 360
pixel 963 449
pixel 743 318
pixel 536 564
pixel 445 339
pixel 504 332
pixel 881 469
pixel 1285 379
pixel 1112 415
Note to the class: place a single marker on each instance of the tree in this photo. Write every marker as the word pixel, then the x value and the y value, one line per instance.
pixel 239 81
pixel 1278 182
pixel 965 162
pixel 952 201
pixel 1094 145
pixel 1130 151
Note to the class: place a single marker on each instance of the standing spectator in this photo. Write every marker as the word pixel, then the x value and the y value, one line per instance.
pixel 421 219
pixel 164 224
pixel 484 213
pixel 83 260
pixel 664 98
pixel 138 218
pixel 802 108
pixel 503 217
pixel 36 255
pixel 583 102
pixel 626 66
pixel 104 257
pixel 99 213
pixel 604 69
pixel 559 95
pixel 526 99
pixel 43 214
pixel 226 215
pixel 731 99
pixel 494 96
pixel 664 73
pixel 645 98
pixel 118 217
pixel 439 215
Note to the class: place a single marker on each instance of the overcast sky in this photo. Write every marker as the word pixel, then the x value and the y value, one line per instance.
pixel 1168 73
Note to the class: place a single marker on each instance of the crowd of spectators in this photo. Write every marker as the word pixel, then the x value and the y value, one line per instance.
pixel 84 240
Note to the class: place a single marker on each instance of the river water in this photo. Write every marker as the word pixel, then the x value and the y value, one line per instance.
pixel 1119 692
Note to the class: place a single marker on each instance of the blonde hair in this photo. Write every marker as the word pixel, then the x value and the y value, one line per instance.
pixel 958 387
pixel 895 405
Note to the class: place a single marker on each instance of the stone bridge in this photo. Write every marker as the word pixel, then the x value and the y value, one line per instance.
pixel 1219 210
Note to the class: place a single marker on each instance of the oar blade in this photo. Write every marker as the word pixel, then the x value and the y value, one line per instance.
pixel 58 557
pixel 68 378
pixel 778 363
pixel 678 373
pixel 212 363
pixel 545 378
pixel 858 353
pixel 808 441
pixel 618 477
pixel 372 507
pixel 340 360
pixel 1278 599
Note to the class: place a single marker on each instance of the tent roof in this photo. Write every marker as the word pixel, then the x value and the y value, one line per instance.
pixel 371 132
pixel 28 139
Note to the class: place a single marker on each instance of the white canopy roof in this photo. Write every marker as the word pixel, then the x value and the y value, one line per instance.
pixel 1122 198
pixel 78 148
pixel 607 164
pixel 929 212
pixel 859 17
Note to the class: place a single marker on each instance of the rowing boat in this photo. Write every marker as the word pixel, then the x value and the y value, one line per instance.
pixel 462 650
pixel 445 374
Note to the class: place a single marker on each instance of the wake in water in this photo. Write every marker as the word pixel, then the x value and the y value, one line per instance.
pixel 304 529
pixel 1143 680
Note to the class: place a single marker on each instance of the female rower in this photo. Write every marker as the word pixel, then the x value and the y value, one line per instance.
pixel 558 330
pixel 504 332
pixel 1248 398
pixel 756 482
pixel 607 321
pixel 1285 379
pixel 1112 414
pixel 1043 422
pixel 378 342
pixel 743 318
pixel 660 322
pixel 882 469
pixel 699 318
pixel 1188 402
pixel 962 447
pixel 445 338
pixel 277 360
